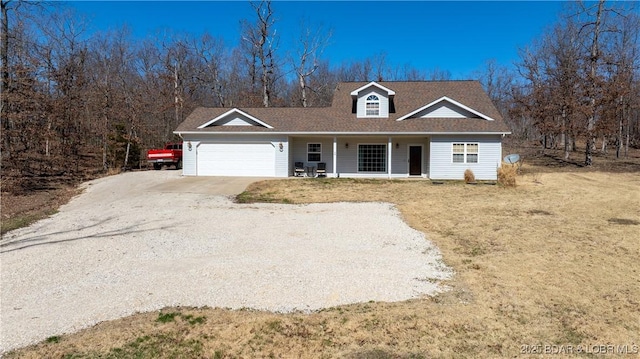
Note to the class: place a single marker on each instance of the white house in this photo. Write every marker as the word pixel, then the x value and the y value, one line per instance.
pixel 434 129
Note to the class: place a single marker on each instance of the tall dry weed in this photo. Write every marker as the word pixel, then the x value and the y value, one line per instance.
pixel 469 177
pixel 507 175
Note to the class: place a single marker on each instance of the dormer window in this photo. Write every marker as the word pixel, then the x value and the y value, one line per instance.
pixel 373 106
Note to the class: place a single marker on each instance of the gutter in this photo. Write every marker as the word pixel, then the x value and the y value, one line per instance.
pixel 180 133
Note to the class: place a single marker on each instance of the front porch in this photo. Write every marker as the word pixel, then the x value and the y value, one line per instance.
pixel 362 156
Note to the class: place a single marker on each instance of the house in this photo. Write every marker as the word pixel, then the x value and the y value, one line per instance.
pixel 434 129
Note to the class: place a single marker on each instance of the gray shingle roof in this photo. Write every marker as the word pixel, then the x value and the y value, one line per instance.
pixel 339 118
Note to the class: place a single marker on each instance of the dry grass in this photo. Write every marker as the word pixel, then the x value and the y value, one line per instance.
pixel 553 261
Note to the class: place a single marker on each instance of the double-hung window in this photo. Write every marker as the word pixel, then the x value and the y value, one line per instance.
pixel 373 105
pixel 464 153
pixel 314 152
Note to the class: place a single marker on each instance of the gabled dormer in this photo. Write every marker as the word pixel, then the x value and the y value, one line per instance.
pixel 372 101
pixel 235 117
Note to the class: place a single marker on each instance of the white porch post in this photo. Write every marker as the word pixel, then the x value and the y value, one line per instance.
pixel 335 157
pixel 390 145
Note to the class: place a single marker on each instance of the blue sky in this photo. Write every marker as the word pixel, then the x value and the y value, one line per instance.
pixel 457 36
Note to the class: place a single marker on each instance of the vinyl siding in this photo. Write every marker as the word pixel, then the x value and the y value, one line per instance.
pixel 362 100
pixel 299 152
pixel 489 157
pixel 347 158
pixel 400 155
pixel 445 109
pixel 281 158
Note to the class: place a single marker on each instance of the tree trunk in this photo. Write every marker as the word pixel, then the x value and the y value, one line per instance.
pixel 4 89
pixel 303 90
pixel 591 139
pixel 620 124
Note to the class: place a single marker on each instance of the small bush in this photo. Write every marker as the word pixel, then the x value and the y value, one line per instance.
pixel 469 177
pixel 507 175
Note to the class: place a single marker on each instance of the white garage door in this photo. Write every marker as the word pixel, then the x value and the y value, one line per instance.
pixel 236 159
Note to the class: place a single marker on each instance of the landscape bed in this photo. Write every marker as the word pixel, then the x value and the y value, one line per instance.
pixel 549 265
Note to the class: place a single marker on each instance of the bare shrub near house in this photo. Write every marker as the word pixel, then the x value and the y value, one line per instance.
pixel 469 177
pixel 506 175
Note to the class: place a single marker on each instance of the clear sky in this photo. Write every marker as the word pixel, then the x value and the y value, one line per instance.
pixel 458 36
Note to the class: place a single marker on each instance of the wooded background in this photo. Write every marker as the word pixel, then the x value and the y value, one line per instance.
pixel 73 106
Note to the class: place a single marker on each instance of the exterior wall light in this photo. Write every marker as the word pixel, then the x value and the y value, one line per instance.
pixel 281 146
pixel 346 145
pixel 397 145
pixel 189 145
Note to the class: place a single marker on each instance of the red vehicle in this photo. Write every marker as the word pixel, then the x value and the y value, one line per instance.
pixel 171 154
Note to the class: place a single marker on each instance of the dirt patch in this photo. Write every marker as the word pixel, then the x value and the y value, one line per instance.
pixel 20 210
pixel 624 221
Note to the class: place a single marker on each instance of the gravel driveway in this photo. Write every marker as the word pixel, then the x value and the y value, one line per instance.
pixel 142 241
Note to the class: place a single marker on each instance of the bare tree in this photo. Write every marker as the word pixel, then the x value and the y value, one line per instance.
pixel 262 44
pixel 306 60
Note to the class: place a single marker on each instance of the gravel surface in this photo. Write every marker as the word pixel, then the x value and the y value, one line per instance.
pixel 128 244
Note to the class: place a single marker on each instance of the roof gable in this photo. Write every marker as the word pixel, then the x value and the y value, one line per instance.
pixel 235 117
pixel 445 107
pixel 389 91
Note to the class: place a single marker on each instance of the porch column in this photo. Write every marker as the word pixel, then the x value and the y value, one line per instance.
pixel 390 146
pixel 335 157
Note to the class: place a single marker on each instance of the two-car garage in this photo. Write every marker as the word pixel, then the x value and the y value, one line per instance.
pixel 254 159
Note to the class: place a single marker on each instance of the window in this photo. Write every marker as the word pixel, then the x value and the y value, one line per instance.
pixel 465 153
pixel 372 158
pixel 314 152
pixel 373 106
pixel 472 153
pixel 458 153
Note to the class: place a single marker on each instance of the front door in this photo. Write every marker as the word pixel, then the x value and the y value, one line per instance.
pixel 415 160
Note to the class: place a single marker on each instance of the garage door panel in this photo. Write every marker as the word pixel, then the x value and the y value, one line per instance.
pixel 236 159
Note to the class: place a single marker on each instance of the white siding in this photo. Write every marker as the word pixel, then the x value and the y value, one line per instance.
pixel 238 121
pixel 489 157
pixel 281 158
pixel 299 152
pixel 445 109
pixel 189 158
pixel 348 157
pixel 400 155
pixel 362 99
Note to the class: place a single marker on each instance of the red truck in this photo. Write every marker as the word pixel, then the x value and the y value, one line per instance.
pixel 171 154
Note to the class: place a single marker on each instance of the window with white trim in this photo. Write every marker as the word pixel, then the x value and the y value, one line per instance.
pixel 372 158
pixel 372 106
pixel 464 153
pixel 314 152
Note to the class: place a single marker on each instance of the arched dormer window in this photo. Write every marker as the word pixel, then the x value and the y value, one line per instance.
pixel 373 106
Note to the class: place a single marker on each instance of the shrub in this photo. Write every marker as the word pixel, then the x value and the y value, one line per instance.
pixel 507 175
pixel 469 177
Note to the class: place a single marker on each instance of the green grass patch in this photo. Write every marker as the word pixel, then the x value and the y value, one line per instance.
pixel 173 316
pixel 253 197
pixel 24 220
pixel 53 339
pixel 164 345
pixel 167 317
